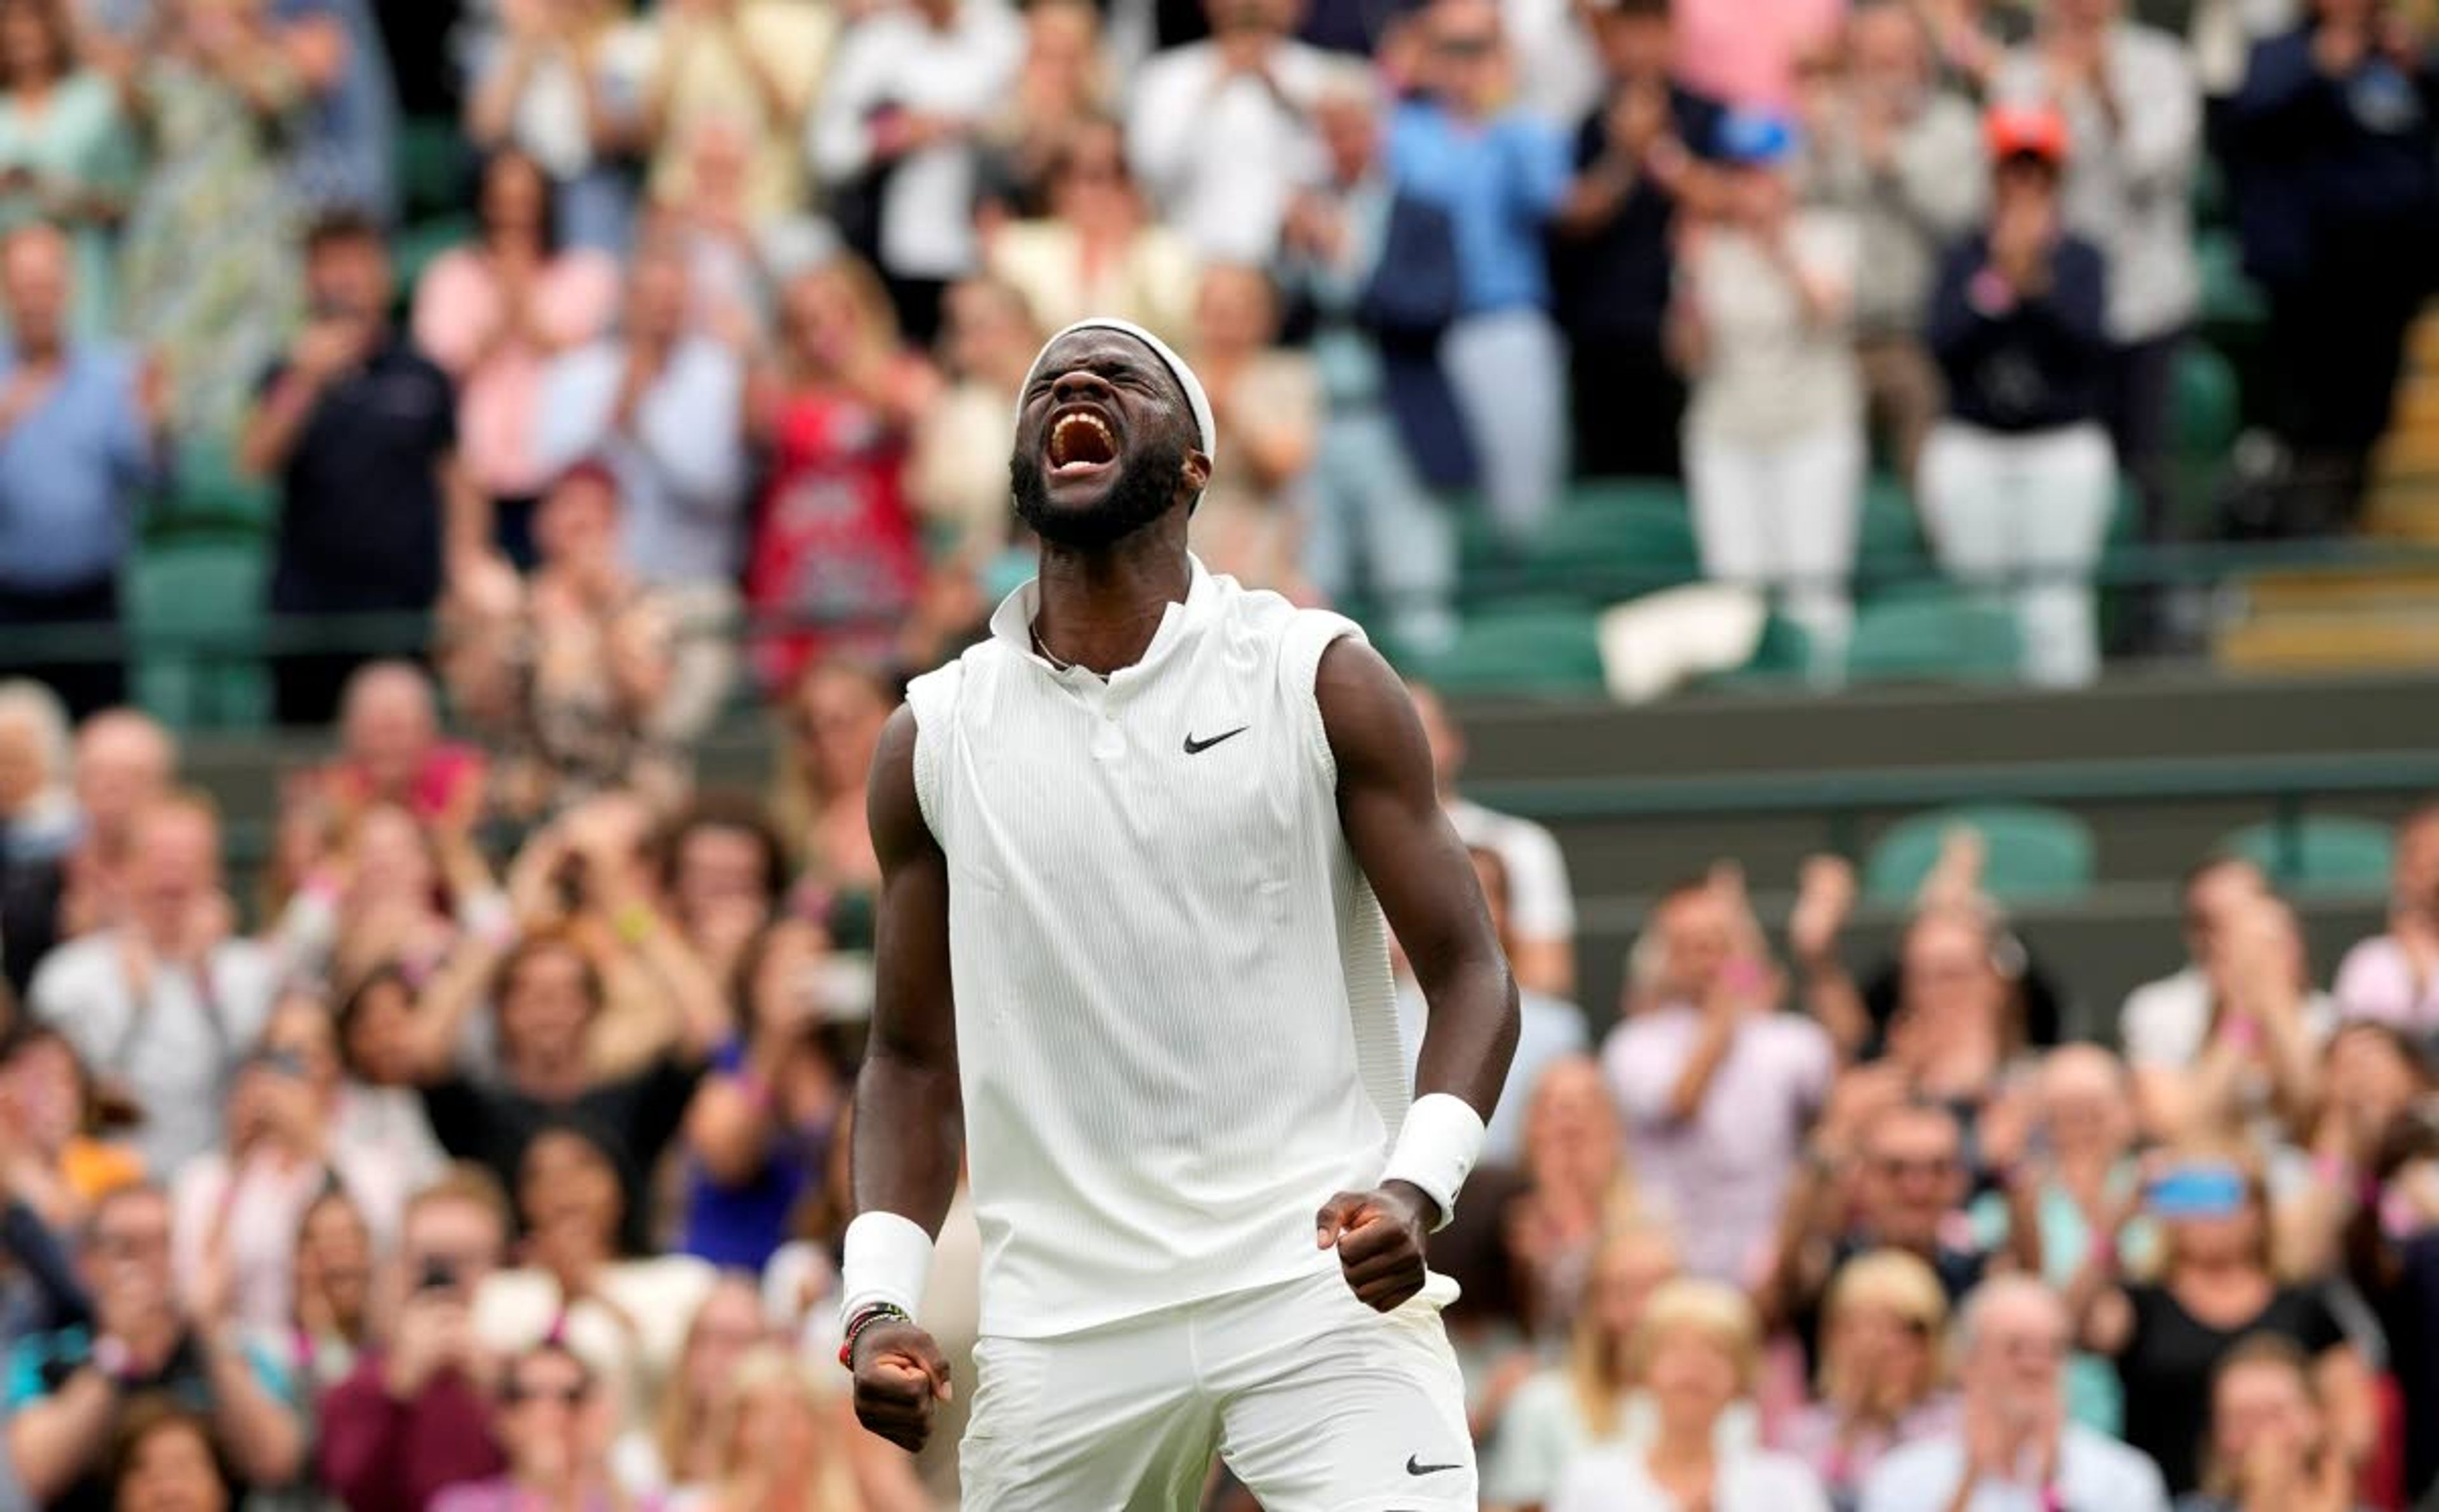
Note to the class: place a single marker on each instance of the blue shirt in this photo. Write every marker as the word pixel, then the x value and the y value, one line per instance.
pixel 740 1228
pixel 71 471
pixel 1498 183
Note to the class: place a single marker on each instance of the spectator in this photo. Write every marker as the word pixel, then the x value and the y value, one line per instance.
pixel 1957 1029
pixel 2165 1023
pixel 2217 1285
pixel 123 763
pixel 1378 270
pixel 835 722
pixel 386 892
pixel 331 1323
pixel 1499 174
pixel 1716 1086
pixel 167 1004
pixel 2330 144
pixel 1745 53
pixel 722 874
pixel 2132 114
pixel 679 1452
pixel 67 153
pixel 344 152
pixel 2077 1167
pixel 730 252
pixel 162 1459
pixel 2270 1440
pixel 1697 1349
pixel 660 405
pixel 1883 1361
pixel 493 313
pixel 2255 1071
pixel 837 560
pixel 2015 1446
pixel 38 817
pixel 787 1443
pixel 588 1281
pixel 2394 978
pixel 1577 1191
pixel 1591 1399
pixel 1613 256
pixel 752 66
pixel 373 1039
pixel 391 749
pixel 1899 153
pixel 555 1422
pixel 1268 403
pixel 759 1131
pixel 408 1420
pixel 208 272
pixel 81 439
pixel 360 431
pixel 564 81
pixel 66 1158
pixel 897 133
pixel 1219 130
pixel 959 472
pixel 1062 85
pixel 1543 952
pixel 68 1392
pixel 1774 436
pixel 1097 251
pixel 2018 482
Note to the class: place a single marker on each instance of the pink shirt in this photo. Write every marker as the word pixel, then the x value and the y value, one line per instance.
pixel 1743 52
pixel 2377 980
pixel 1722 1173
pixel 458 306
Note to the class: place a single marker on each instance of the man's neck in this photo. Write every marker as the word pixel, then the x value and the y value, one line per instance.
pixel 1100 609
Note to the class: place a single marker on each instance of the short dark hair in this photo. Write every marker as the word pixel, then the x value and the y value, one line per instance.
pixel 343 226
pixel 547 941
pixel 725 811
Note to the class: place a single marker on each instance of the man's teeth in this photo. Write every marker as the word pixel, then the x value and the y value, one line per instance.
pixel 1064 434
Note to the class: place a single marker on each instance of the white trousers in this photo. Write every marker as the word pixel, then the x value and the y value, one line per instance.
pixel 1784 516
pixel 1317 1402
pixel 2027 517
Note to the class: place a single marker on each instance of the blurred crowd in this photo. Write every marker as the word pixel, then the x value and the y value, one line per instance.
pixel 721 309
pixel 457 1164
pixel 484 1147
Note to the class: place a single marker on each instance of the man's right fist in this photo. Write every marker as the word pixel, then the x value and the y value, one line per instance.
pixel 901 1379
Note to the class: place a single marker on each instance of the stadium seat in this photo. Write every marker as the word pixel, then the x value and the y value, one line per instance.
pixel 1935 634
pixel 431 162
pixel 417 247
pixel 208 493
pixel 1614 541
pixel 2030 853
pixel 1530 652
pixel 2209 402
pixel 195 609
pixel 2323 853
pixel 1890 546
pixel 2231 300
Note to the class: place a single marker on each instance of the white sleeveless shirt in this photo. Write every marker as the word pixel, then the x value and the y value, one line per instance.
pixel 1175 1023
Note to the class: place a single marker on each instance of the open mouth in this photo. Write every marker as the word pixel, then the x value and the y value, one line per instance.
pixel 1081 443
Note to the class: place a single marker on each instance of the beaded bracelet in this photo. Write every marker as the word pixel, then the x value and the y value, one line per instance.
pixel 876 1312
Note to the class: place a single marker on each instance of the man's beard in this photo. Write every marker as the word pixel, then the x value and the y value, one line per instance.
pixel 1146 489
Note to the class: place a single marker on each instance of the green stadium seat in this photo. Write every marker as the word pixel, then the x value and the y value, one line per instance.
pixel 1781 659
pixel 2210 197
pixel 2031 853
pixel 1890 546
pixel 431 161
pixel 2209 401
pixel 2231 300
pixel 2323 853
pixel 195 608
pixel 1933 634
pixel 421 244
pixel 1615 542
pixel 1529 652
pixel 208 493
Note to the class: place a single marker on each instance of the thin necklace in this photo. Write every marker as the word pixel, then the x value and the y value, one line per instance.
pixel 1051 657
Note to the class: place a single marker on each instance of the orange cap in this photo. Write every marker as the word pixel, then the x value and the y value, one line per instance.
pixel 2025 131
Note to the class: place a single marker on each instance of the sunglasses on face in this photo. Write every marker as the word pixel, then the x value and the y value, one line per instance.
pixel 576 1393
pixel 1477 47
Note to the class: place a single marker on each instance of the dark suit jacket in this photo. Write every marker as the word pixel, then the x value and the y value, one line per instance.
pixel 1407 306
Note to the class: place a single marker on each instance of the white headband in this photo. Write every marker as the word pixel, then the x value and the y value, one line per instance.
pixel 1196 399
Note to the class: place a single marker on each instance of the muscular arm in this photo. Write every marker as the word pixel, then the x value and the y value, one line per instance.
pixel 1421 874
pixel 910 1128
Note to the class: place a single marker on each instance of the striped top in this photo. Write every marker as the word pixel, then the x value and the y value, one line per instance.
pixel 1174 1014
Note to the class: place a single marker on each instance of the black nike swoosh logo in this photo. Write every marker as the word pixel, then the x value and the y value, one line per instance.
pixel 1415 1468
pixel 1195 747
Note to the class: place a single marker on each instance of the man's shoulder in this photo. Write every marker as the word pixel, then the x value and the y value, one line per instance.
pixel 2105 1467
pixel 77 966
pixel 1920 1474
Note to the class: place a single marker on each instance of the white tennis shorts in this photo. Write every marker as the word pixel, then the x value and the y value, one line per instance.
pixel 1317 1402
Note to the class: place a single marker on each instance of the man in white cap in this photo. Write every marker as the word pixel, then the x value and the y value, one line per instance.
pixel 1136 850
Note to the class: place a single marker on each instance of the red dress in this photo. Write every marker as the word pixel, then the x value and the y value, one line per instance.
pixel 837 557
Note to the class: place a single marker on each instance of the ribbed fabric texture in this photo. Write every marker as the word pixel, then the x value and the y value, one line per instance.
pixel 1175 1020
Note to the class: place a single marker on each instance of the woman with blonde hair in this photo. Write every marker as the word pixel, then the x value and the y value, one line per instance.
pixel 678 1451
pixel 1882 1378
pixel 1695 1353
pixel 787 1442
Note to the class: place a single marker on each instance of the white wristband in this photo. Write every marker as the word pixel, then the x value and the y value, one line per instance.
pixel 1437 1148
pixel 888 1260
